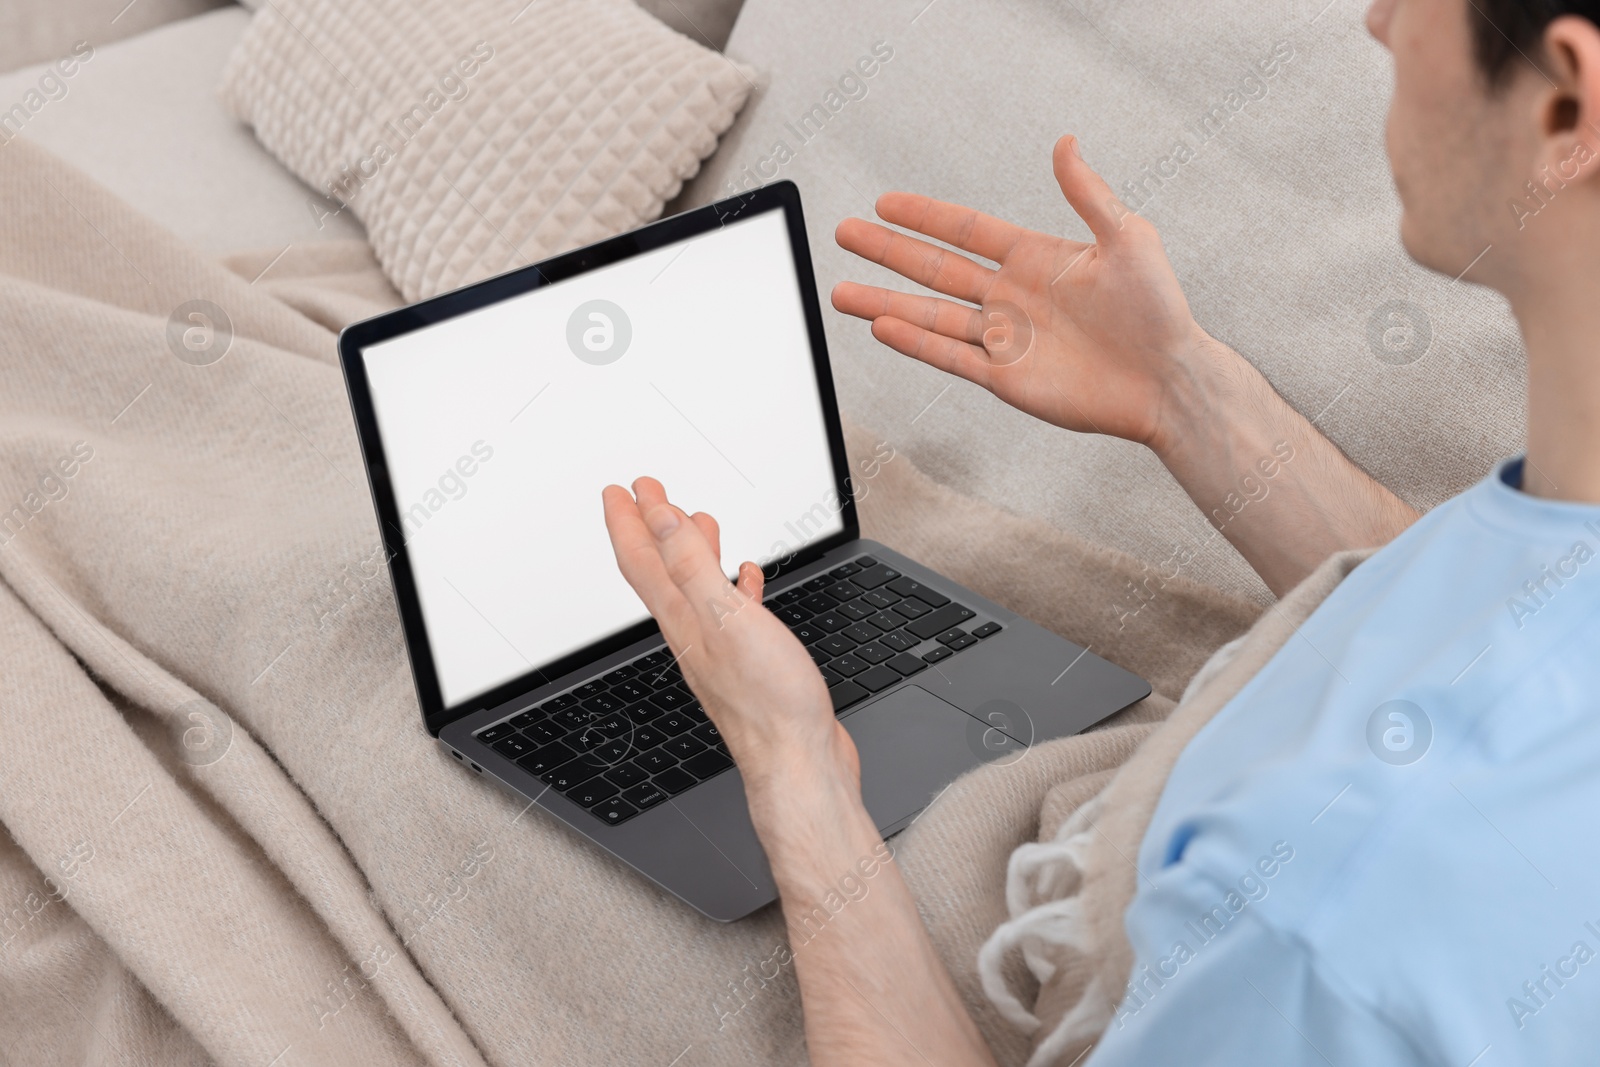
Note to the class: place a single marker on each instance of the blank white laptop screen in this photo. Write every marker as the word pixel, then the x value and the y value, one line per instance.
pixel 690 364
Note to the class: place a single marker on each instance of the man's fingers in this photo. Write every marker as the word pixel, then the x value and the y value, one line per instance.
pixel 869 302
pixel 982 235
pixel 712 531
pixel 649 493
pixel 957 357
pixel 1088 193
pixel 692 561
pixel 939 269
pixel 689 561
pixel 639 558
pixel 751 581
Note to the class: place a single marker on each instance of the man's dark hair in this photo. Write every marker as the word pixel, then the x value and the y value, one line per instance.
pixel 1509 30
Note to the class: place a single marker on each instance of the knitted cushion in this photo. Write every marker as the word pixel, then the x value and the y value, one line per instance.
pixel 471 138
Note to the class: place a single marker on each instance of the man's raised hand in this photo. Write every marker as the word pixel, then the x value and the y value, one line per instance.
pixel 1096 338
pixel 755 678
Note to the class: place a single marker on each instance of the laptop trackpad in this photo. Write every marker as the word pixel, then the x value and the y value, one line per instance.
pixel 912 745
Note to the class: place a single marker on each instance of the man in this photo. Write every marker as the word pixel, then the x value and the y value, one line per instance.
pixel 1419 772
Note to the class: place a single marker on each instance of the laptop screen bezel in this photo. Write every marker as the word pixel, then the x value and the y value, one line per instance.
pixel 781 196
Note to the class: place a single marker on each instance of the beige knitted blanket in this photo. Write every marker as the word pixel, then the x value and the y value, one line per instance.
pixel 227 837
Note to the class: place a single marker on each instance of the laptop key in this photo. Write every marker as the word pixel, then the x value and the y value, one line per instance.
pixel 874 576
pixel 605 704
pixel 585 739
pixel 644 737
pixel 854 611
pixel 836 644
pixel 843 591
pixel 656 760
pixel 658 678
pixel 848 665
pixel 790 596
pixel 964 641
pixel 495 733
pixel 951 636
pixel 644 796
pixel 865 561
pixel 626 774
pixel 629 691
pixel 886 621
pixel 843 571
pixel 845 694
pixel 513 747
pixel 817 584
pixel 675 780
pixel 615 810
pixel 685 746
pixel 817 603
pixel 573 718
pixel 912 587
pixel 898 641
pixel 707 732
pixel 808 634
pixel 707 764
pixel 542 733
pixel 877 679
pixel 613 725
pixel 592 792
pixel 829 677
pixel 527 718
pixel 860 633
pixel 671 699
pixel 936 655
pixel 642 712
pixel 988 629
pixel 560 703
pixel 674 723
pixel 547 758
pixel 584 692
pixel 819 656
pixel 621 674
pixel 570 774
pixel 882 598
pixel 911 608
pixel 873 653
pixel 940 620
pixel 907 664
pixel 610 754
pixel 830 622
pixel 792 615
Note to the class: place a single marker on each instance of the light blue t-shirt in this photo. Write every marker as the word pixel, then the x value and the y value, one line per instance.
pixel 1383 850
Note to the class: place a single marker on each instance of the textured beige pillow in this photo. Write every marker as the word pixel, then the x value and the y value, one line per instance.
pixel 471 137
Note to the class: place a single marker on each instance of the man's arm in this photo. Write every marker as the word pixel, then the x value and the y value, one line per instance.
pixel 873 988
pixel 1098 338
pixel 1277 489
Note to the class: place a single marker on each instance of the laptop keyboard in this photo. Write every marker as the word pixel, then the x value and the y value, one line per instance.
pixel 636 736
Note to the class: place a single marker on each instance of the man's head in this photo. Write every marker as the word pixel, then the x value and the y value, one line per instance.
pixel 1494 132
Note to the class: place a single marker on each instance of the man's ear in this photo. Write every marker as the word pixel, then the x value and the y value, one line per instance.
pixel 1568 112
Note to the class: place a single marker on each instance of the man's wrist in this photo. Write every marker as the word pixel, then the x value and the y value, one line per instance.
pixel 1206 396
pixel 810 821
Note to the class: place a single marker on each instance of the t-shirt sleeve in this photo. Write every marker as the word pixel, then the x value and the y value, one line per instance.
pixel 1246 997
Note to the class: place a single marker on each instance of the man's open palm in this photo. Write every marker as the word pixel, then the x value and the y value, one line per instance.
pixel 1086 336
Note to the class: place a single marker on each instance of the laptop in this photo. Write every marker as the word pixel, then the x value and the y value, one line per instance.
pixel 691 350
